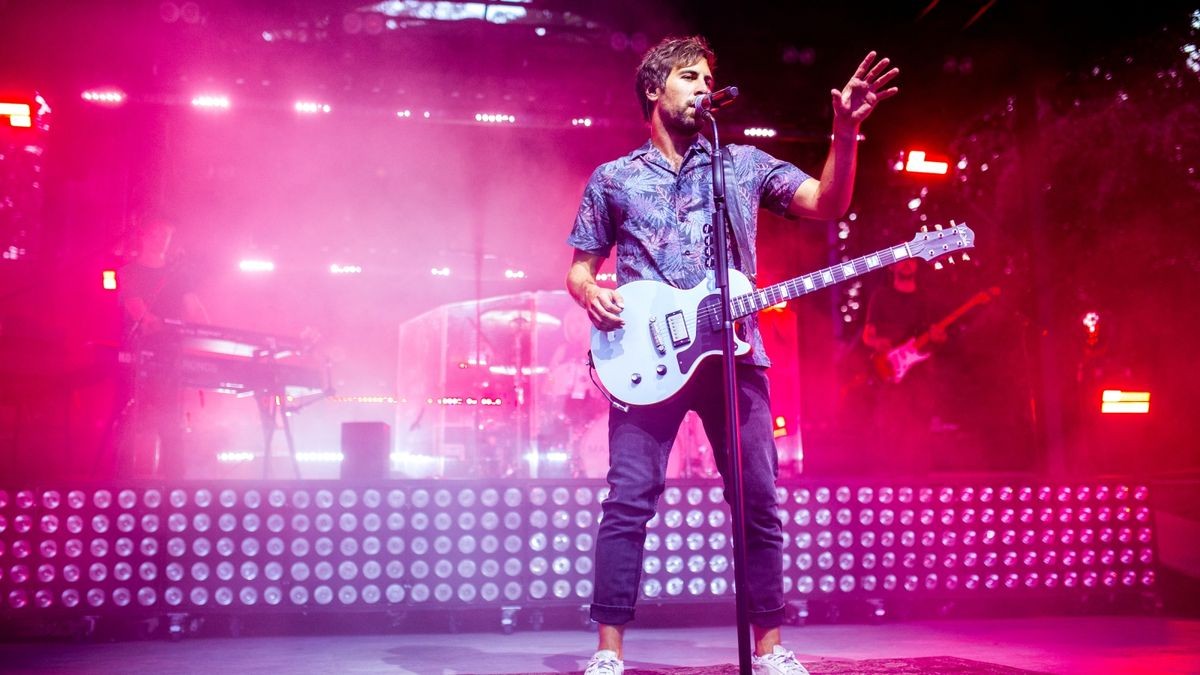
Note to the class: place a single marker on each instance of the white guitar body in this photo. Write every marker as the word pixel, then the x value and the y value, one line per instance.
pixel 667 333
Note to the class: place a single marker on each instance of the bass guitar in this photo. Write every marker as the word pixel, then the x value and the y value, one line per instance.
pixel 669 331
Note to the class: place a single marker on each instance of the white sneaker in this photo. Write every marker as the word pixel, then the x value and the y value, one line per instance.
pixel 779 662
pixel 605 662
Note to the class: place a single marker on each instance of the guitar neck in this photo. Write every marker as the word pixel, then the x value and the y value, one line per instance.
pixel 745 305
pixel 976 300
pixel 958 313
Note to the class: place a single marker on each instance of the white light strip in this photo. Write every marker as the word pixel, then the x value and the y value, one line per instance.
pixel 312 107
pixel 211 101
pixel 256 266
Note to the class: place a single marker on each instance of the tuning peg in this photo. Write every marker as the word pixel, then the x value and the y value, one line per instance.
pixel 937 265
pixel 924 228
pixel 966 258
pixel 950 260
pixel 938 227
pixel 952 223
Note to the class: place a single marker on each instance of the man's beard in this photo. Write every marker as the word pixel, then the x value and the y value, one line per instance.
pixel 680 122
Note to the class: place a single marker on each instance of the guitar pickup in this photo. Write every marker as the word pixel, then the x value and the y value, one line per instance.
pixel 677 327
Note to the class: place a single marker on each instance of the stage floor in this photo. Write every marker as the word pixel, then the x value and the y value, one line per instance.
pixel 1091 644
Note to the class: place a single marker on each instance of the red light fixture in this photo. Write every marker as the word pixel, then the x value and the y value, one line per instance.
pixel 780 426
pixel 18 114
pixel 917 163
pixel 1125 402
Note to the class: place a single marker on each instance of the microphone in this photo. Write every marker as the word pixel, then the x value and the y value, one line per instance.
pixel 710 103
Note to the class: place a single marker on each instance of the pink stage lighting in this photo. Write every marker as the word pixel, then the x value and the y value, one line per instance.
pixel 760 132
pixel 108 97
pixel 495 118
pixel 312 107
pixel 256 266
pixel 211 102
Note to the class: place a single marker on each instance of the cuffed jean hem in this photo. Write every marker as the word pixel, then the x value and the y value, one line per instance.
pixel 773 618
pixel 616 616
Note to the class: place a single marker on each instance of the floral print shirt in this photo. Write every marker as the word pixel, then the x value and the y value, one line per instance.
pixel 659 220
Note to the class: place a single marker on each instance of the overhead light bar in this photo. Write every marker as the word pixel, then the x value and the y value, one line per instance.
pixel 495 118
pixel 760 132
pixel 211 101
pixel 312 107
pixel 106 97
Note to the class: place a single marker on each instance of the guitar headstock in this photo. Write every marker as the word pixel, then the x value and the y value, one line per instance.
pixel 940 241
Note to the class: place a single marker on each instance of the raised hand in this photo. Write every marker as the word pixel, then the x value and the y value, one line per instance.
pixel 854 103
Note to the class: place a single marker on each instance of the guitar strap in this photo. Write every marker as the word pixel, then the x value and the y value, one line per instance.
pixel 734 217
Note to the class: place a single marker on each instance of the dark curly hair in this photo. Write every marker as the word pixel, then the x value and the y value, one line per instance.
pixel 658 62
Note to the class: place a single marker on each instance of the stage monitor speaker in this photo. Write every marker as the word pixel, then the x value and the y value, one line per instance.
pixel 365 450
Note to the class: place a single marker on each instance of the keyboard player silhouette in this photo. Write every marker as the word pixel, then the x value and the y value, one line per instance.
pixel 172 349
pixel 154 288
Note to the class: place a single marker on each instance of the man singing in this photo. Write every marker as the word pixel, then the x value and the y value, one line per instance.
pixel 654 205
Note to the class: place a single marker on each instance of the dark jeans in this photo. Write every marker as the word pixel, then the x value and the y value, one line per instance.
pixel 639 444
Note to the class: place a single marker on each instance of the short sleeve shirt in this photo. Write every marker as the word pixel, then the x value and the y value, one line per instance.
pixel 658 219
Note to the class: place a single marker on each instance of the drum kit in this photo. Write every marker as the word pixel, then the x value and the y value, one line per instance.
pixel 501 387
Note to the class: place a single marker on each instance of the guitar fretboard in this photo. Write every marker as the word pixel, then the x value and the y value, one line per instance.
pixel 747 304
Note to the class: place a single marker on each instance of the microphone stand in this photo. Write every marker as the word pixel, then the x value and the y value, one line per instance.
pixel 733 444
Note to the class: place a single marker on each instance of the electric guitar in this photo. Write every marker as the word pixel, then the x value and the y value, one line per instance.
pixel 669 331
pixel 892 365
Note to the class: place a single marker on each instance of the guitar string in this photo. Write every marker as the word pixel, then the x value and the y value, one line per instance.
pixel 860 265
pixel 712 312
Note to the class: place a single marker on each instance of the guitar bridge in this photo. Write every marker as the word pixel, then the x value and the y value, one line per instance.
pixel 656 336
pixel 677 327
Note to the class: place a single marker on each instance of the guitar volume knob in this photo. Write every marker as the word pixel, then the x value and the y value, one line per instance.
pixel 661 369
pixel 636 378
